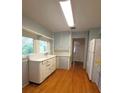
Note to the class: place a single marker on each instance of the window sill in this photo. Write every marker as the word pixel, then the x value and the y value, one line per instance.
pixel 25 57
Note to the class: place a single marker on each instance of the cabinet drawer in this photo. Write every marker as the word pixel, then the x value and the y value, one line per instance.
pixel 46 62
pixel 47 65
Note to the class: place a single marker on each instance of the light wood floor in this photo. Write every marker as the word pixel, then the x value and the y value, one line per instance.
pixel 74 80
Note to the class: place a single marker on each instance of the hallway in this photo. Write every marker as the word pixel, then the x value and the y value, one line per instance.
pixel 74 80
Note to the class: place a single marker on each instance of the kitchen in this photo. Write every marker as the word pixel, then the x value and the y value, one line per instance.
pixel 48 52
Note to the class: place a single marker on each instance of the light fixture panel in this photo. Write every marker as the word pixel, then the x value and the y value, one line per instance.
pixel 67 10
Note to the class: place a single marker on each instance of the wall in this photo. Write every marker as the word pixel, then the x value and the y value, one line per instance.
pixel 95 33
pixel 32 25
pixel 62 46
pixel 80 34
pixel 61 40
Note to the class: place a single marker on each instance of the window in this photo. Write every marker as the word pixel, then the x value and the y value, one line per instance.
pixel 44 47
pixel 27 45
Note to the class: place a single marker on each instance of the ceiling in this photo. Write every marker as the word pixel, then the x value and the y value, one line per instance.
pixel 48 13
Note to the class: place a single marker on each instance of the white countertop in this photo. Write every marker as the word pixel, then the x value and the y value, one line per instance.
pixel 38 58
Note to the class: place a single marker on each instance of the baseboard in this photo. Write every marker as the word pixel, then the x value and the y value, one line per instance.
pixel 25 84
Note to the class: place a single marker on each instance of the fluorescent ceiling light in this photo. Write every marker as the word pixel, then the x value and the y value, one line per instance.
pixel 67 10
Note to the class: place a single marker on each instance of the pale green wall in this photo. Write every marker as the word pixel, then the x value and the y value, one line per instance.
pixel 83 34
pixel 61 40
pixel 62 48
pixel 31 24
pixel 95 33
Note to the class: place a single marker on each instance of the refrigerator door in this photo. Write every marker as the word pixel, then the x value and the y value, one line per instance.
pixel 96 76
pixel 90 57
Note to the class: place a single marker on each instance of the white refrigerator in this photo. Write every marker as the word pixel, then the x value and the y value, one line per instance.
pixel 94 61
pixel 90 59
pixel 96 72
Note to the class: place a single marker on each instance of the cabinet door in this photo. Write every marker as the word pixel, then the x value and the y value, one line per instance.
pixel 47 68
pixel 24 73
pixel 42 76
pixel 54 64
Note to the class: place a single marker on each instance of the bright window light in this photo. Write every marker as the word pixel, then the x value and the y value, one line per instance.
pixel 67 10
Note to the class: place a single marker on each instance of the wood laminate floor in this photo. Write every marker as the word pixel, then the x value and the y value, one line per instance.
pixel 74 80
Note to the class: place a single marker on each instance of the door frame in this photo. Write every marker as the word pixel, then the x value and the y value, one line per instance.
pixel 85 52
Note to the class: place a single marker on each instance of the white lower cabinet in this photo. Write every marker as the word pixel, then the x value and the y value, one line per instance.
pixel 53 66
pixel 39 71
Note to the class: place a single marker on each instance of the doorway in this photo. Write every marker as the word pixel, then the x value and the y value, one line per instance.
pixel 78 49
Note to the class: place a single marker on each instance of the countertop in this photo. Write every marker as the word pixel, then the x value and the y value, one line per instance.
pixel 40 59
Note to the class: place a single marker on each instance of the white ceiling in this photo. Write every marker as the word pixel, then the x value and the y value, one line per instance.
pixel 48 13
